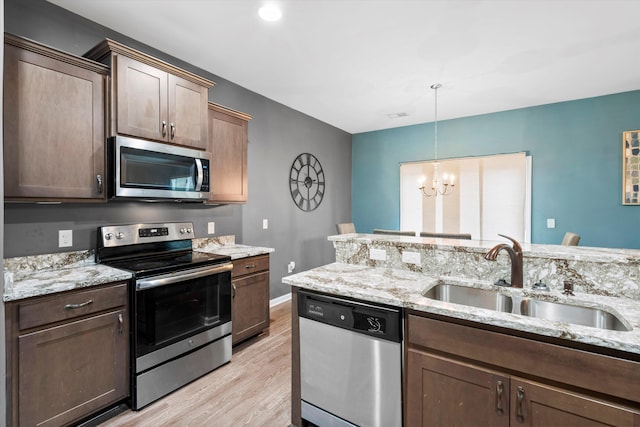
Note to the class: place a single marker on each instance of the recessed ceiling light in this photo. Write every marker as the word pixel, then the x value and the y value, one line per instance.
pixel 270 12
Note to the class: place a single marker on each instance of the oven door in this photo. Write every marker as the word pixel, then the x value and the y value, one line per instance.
pixel 146 169
pixel 181 309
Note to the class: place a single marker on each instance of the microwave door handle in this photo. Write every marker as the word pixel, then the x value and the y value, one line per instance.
pixel 199 175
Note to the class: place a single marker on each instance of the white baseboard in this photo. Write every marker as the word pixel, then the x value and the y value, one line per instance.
pixel 280 300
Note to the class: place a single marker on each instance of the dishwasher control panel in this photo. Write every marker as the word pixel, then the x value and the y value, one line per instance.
pixel 371 319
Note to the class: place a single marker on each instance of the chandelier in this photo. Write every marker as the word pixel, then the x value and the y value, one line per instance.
pixel 439 185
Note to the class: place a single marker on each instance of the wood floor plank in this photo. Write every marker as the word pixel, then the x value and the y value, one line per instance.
pixel 254 389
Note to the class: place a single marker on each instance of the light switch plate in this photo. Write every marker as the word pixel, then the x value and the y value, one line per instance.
pixel 411 257
pixel 378 254
pixel 65 238
pixel 265 224
pixel 211 227
pixel 551 223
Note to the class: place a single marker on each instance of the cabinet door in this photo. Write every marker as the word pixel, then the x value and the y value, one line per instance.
pixel 228 147
pixel 534 404
pixel 187 113
pixel 141 97
pixel 69 371
pixel 53 128
pixel 442 392
pixel 250 311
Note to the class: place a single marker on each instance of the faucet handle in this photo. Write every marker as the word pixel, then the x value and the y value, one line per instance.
pixel 539 286
pixel 568 287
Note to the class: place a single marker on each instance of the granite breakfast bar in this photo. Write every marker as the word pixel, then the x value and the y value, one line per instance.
pixel 574 356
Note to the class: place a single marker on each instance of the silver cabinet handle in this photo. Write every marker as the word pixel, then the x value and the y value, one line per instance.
pixel 233 293
pixel 250 266
pixel 499 391
pixel 120 323
pixel 164 128
pixel 519 404
pixel 74 306
pixel 173 130
pixel 100 185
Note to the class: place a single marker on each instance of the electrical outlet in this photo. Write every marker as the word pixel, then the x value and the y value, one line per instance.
pixel 265 225
pixel 211 227
pixel 291 266
pixel 411 257
pixel 378 254
pixel 65 238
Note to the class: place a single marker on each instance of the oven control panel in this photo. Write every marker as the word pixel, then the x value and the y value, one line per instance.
pixel 153 232
pixel 121 235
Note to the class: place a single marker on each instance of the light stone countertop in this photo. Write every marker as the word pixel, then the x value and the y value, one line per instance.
pixel 226 245
pixel 404 288
pixel 236 251
pixel 37 275
pixel 32 276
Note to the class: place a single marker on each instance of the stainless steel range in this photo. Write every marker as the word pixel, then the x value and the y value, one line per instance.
pixel 180 302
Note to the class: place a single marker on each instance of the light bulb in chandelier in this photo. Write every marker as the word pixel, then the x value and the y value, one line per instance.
pixel 443 186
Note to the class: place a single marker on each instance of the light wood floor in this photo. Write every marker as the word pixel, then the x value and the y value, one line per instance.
pixel 254 389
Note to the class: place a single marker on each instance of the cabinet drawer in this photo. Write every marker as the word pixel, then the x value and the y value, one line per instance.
pixel 69 305
pixel 250 265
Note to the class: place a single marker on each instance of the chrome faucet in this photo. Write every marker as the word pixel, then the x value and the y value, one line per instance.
pixel 515 254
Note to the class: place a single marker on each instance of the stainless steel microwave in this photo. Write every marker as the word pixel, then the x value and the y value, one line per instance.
pixel 150 170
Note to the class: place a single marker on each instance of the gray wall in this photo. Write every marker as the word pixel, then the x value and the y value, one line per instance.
pixel 277 134
pixel 3 364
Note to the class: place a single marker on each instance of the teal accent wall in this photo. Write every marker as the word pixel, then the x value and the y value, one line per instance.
pixel 576 150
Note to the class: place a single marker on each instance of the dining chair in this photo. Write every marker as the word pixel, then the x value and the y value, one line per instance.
pixel 346 228
pixel 570 239
pixel 465 236
pixel 394 232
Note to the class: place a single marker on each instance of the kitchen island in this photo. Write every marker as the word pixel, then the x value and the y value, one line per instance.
pixel 604 279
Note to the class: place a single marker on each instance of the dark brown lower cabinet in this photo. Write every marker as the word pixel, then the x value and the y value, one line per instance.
pixel 446 393
pixel 459 374
pixel 541 405
pixel 68 355
pixel 250 309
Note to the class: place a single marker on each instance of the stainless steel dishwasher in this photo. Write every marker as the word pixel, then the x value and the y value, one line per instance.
pixel 350 362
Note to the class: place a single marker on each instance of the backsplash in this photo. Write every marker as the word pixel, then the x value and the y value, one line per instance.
pixel 609 272
pixel 29 264
pixel 17 267
pixel 210 242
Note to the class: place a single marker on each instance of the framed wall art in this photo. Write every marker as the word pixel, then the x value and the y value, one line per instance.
pixel 631 167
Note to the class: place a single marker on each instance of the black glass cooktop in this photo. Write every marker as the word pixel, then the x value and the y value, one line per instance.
pixel 166 263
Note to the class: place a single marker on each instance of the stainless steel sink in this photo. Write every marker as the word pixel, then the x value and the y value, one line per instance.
pixel 578 315
pixel 480 298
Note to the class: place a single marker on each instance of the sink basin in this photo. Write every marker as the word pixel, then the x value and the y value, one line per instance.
pixel 578 315
pixel 480 298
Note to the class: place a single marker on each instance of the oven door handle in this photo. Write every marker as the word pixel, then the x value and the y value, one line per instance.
pixel 181 276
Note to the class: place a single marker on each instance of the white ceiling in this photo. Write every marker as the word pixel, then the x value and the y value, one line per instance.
pixel 352 63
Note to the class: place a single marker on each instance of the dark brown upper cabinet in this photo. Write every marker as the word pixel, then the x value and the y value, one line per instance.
pixel 152 99
pixel 54 124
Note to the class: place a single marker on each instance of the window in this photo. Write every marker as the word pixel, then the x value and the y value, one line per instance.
pixel 492 196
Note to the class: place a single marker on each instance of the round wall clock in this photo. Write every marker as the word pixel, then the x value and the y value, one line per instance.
pixel 306 182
